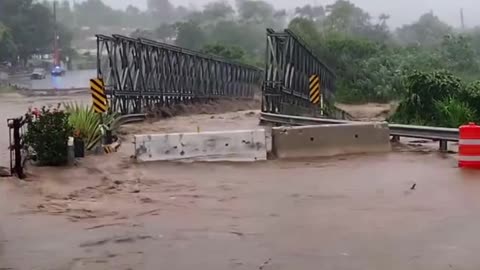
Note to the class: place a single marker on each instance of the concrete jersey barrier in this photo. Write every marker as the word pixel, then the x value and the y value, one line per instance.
pixel 330 140
pixel 241 145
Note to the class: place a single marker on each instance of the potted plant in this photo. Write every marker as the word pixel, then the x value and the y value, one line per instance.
pixel 78 144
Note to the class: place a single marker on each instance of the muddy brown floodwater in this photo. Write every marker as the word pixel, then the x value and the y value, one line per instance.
pixel 352 212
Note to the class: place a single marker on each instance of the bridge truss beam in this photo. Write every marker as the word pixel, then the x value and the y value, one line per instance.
pixel 142 73
pixel 289 65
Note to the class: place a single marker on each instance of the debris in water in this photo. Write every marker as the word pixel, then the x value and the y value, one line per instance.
pixel 151 212
pixel 118 240
pixel 146 200
pixel 261 267
pixel 237 233
pixel 105 225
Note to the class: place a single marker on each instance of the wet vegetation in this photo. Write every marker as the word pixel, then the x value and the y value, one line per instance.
pixel 87 124
pixel 47 136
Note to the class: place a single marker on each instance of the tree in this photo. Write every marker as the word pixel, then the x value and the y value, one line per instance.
pixel 190 36
pixel 307 30
pixel 379 32
pixel 65 14
pixel 30 25
pixel 212 14
pixel 238 34
pixel 220 10
pixel 458 54
pixel 257 12
pixel 140 33
pixel 314 13
pixel 344 17
pixel 161 10
pixel 474 35
pixel 30 28
pixel 165 32
pixel 428 31
pixel 182 12
pixel 132 11
pixel 95 13
pixel 8 48
pixel 234 53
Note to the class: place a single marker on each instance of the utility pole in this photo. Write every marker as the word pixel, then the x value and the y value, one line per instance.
pixel 55 38
pixel 462 19
pixel 74 13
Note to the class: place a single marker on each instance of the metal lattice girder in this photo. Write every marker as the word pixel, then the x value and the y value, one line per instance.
pixel 289 65
pixel 141 73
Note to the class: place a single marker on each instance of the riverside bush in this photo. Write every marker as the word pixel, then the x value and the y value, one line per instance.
pixel 47 135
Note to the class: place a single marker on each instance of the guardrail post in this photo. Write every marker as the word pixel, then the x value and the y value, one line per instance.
pixel 395 138
pixel 443 146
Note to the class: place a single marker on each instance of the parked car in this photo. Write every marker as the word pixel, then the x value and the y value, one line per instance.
pixel 58 71
pixel 38 74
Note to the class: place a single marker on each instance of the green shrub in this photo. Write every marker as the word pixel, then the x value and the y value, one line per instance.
pixel 471 96
pixel 454 113
pixel 47 135
pixel 87 123
pixel 425 91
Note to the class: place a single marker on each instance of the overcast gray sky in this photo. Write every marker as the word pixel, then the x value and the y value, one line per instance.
pixel 401 11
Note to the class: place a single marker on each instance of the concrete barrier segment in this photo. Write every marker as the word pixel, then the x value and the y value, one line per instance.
pixel 330 140
pixel 236 146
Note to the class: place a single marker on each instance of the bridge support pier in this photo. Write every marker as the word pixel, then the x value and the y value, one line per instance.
pixel 443 146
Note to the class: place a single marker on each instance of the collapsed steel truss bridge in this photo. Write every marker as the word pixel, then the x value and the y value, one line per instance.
pixel 142 73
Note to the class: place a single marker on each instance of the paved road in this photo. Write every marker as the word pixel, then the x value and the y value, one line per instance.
pixel 72 79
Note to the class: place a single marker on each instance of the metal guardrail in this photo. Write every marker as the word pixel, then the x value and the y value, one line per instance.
pixel 298 120
pixel 422 132
pixel 443 135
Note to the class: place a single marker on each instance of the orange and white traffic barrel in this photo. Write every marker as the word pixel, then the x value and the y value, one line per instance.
pixel 469 146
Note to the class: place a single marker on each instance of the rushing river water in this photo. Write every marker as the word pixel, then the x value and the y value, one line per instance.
pixel 353 212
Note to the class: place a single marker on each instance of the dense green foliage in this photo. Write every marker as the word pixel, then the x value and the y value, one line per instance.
pixel 438 99
pixel 26 28
pixel 235 33
pixel 47 135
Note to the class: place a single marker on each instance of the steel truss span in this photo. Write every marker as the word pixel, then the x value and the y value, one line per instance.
pixel 142 73
pixel 289 66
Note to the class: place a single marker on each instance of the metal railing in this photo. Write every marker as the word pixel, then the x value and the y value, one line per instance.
pixel 442 135
pixel 18 151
